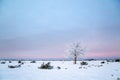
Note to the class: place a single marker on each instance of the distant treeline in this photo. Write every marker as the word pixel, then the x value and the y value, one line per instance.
pixel 57 59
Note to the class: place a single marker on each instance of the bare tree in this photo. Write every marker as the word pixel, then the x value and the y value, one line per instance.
pixel 75 50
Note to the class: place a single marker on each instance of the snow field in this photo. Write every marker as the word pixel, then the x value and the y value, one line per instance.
pixel 29 71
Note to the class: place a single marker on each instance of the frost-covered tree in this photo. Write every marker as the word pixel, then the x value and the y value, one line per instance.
pixel 75 50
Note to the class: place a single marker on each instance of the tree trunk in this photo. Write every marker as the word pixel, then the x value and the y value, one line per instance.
pixel 75 59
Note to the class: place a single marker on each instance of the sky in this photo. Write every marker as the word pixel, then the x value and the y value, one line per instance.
pixel 43 28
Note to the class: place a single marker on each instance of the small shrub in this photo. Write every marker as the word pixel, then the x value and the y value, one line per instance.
pixel 110 60
pixel 10 61
pixel 19 61
pixel 16 66
pixel 102 62
pixel 118 78
pixel 46 66
pixel 84 67
pixel 84 63
pixel 3 62
pixel 22 63
pixel 117 60
pixel 58 67
pixel 80 67
pixel 33 62
pixel 112 75
pixel 66 68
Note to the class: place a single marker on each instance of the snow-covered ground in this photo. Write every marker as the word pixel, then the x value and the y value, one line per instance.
pixel 93 71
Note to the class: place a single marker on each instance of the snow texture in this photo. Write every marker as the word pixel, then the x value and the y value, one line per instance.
pixel 67 71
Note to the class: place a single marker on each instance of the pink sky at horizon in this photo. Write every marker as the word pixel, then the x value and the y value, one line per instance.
pixel 43 56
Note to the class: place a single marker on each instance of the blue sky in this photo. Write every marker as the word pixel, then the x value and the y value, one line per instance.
pixel 43 28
